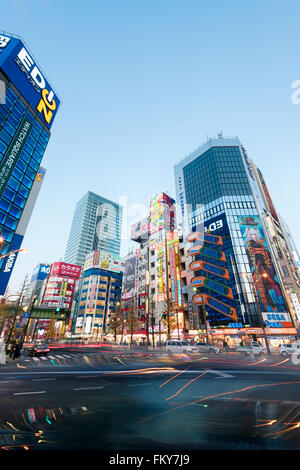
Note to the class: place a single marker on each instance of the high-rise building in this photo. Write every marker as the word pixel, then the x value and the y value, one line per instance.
pixel 96 225
pixel 218 194
pixel 28 106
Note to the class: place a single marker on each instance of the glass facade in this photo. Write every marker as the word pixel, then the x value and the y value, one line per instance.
pixel 26 117
pixel 18 187
pixel 93 229
pixel 214 186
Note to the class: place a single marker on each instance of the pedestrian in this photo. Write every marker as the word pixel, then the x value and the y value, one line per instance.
pixel 16 351
pixel 2 352
pixel 225 345
pixel 11 348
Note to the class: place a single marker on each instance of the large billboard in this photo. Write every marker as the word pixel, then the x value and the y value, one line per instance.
pixel 22 69
pixel 65 269
pixel 162 213
pixel 41 272
pixel 103 260
pixel 264 275
pixel 140 230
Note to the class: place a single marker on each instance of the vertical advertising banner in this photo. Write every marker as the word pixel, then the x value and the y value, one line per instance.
pixel 161 273
pixel 129 277
pixel 264 275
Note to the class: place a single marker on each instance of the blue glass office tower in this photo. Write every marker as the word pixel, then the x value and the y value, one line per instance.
pixel 216 192
pixel 96 225
pixel 28 106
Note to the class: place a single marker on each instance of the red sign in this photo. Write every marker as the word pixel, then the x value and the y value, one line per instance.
pixel 65 269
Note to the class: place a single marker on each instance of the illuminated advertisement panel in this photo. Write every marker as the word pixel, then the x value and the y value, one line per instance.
pixel 263 273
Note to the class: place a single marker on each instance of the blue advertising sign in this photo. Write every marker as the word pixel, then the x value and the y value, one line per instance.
pixel 41 272
pixel 9 262
pixel 22 69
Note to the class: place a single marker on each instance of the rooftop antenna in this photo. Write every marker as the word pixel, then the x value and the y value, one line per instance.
pixel 220 135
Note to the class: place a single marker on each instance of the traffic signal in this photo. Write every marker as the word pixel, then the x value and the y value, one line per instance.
pixel 57 309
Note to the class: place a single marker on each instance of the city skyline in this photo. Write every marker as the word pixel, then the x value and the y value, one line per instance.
pixel 147 112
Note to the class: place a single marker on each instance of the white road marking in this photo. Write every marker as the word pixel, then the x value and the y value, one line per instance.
pixel 29 393
pixel 5 382
pixel 139 385
pixel 221 375
pixel 88 388
pixel 87 376
pixel 42 380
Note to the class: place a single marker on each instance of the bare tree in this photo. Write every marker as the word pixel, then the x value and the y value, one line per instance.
pixel 115 321
pixel 16 308
pixel 152 319
pixel 168 318
pixel 133 320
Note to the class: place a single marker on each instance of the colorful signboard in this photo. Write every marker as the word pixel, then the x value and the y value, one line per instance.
pixel 263 272
pixel 103 260
pixel 65 269
pixel 161 293
pixel 162 213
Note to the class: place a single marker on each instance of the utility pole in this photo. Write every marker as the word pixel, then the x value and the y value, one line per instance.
pixel 35 298
pixel 254 292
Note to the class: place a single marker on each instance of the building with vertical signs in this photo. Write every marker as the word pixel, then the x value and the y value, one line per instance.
pixel 153 271
pixel 28 106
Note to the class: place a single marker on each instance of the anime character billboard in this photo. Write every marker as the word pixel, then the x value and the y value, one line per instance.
pixel 263 272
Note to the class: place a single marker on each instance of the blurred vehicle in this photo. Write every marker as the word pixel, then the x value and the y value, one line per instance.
pixel 205 347
pixel 253 348
pixel 289 348
pixel 38 349
pixel 180 347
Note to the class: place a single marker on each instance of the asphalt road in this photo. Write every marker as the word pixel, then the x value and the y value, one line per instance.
pixel 95 398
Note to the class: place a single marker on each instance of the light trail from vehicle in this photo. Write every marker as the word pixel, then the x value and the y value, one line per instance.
pixel 172 378
pixel 231 392
pixel 186 385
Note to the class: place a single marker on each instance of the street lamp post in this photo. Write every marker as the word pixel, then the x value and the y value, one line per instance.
pixel 253 289
pixel 35 298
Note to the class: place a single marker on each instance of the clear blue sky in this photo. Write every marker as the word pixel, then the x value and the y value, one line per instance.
pixel 143 84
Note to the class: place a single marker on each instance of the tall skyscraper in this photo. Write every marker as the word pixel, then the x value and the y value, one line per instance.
pixel 96 225
pixel 218 194
pixel 28 106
